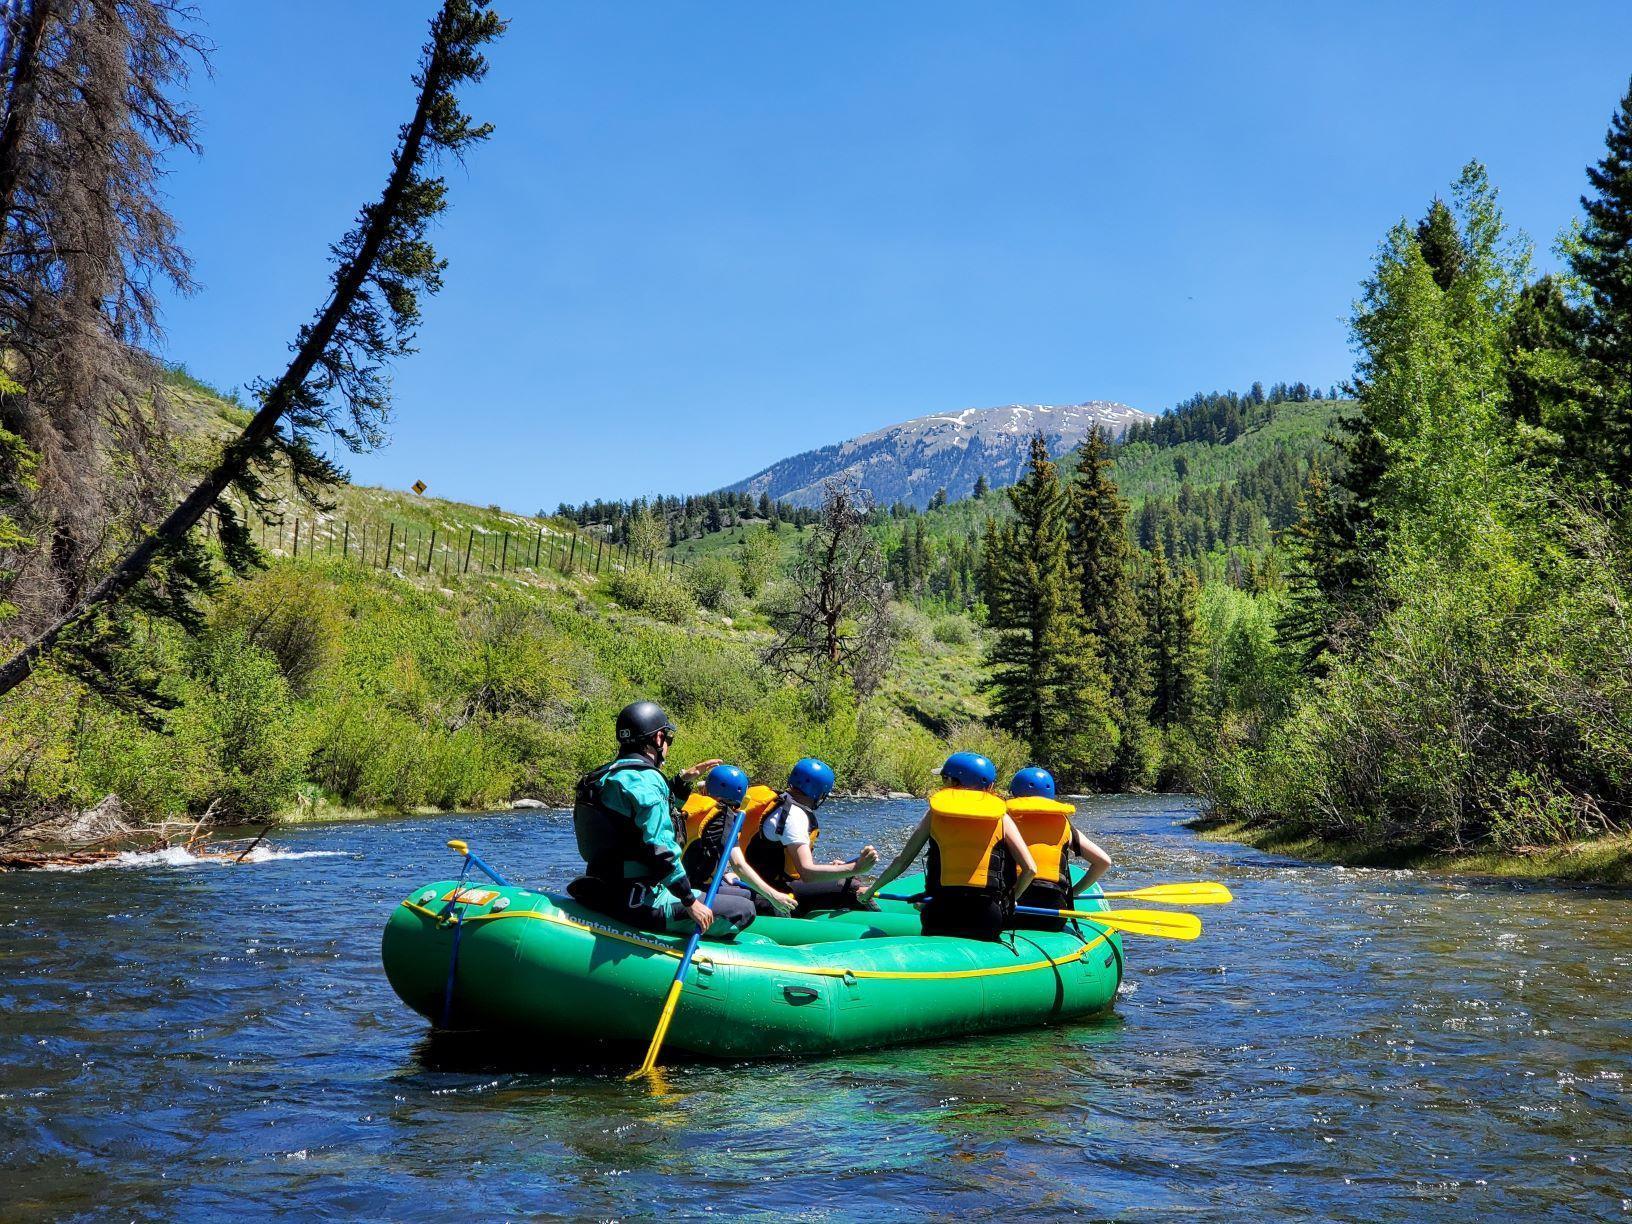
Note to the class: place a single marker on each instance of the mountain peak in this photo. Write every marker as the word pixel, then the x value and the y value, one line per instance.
pixel 950 450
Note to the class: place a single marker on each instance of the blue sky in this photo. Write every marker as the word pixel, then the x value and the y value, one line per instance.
pixel 709 234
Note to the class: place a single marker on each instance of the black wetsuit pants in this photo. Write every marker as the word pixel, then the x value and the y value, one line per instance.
pixel 966 914
pixel 814 895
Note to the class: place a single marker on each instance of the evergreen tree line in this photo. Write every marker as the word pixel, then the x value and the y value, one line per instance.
pixel 1093 658
pixel 688 518
pixel 1221 416
pixel 1450 664
pixel 1249 513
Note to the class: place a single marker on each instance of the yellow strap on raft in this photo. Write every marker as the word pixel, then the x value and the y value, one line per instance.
pixel 749 962
pixel 966 826
pixel 1045 824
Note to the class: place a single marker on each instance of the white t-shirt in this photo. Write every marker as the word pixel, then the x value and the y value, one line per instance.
pixel 790 825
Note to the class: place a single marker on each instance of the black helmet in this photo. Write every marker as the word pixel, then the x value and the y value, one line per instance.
pixel 639 722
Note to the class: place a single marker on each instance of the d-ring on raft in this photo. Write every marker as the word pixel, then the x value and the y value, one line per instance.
pixel 539 965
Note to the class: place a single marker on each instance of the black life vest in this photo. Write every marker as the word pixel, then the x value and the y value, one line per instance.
pixel 609 840
pixel 967 855
pixel 769 857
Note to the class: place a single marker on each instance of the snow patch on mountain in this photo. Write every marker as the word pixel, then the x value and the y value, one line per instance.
pixel 910 461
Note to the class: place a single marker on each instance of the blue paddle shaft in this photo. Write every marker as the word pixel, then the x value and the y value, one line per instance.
pixel 498 879
pixel 713 891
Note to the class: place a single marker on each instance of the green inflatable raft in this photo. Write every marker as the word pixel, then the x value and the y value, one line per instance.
pixel 541 965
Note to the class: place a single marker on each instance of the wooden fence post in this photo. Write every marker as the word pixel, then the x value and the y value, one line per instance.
pixel 598 545
pixel 469 544
pixel 390 543
pixel 574 553
pixel 538 547
pixel 504 557
pixel 345 547
pixel 430 553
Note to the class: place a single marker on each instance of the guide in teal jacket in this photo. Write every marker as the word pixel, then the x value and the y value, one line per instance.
pixel 630 830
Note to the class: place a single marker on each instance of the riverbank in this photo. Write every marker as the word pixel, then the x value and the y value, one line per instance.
pixel 1605 860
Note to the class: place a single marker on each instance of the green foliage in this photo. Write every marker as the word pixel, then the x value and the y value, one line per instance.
pixel 759 558
pixel 953 630
pixel 1471 686
pixel 716 583
pixel 284 613
pixel 651 592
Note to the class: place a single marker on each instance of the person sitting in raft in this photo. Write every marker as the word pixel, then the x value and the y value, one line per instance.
pixel 780 851
pixel 974 851
pixel 1045 826
pixel 628 823
pixel 708 820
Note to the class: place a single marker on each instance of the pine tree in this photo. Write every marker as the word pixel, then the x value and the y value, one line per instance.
pixel 1044 674
pixel 1175 669
pixel 1602 260
pixel 982 485
pixel 1441 244
pixel 1101 565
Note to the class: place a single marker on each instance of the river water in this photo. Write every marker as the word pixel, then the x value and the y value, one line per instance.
pixel 183 1041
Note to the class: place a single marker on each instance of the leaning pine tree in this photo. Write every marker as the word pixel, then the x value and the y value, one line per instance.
pixel 1043 665
pixel 1101 563
pixel 336 381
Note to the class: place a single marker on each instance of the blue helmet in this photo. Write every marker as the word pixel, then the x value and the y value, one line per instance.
pixel 969 769
pixel 726 783
pixel 1032 780
pixel 812 778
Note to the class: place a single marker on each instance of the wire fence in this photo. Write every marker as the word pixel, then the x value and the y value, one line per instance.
pixel 410 548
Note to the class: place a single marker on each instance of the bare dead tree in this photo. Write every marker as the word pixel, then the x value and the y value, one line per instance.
pixel 336 381
pixel 88 114
pixel 836 620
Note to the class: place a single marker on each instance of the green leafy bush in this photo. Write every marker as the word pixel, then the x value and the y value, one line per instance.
pixel 716 582
pixel 954 630
pixel 653 593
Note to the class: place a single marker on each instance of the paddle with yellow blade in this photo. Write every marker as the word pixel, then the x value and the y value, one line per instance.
pixel 1178 894
pixel 1159 923
pixel 673 999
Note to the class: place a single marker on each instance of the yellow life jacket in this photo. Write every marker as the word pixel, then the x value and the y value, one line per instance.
pixel 966 840
pixel 699 810
pixel 1045 824
pixel 756 805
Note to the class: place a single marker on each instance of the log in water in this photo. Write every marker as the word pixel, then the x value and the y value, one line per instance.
pixel 182 1040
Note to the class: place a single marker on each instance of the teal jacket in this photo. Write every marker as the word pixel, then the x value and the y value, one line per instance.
pixel 644 796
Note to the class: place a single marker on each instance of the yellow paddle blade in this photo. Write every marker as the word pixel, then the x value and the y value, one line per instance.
pixel 1159 923
pixel 662 1032
pixel 1180 894
pixel 458 847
